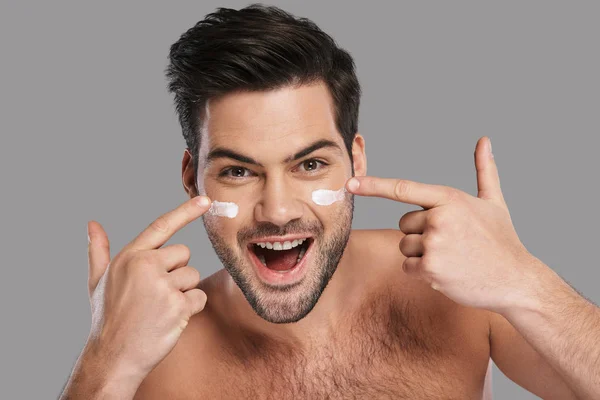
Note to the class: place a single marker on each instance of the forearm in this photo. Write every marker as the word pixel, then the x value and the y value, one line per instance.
pixel 94 379
pixel 563 327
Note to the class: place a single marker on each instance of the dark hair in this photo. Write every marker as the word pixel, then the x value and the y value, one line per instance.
pixel 257 48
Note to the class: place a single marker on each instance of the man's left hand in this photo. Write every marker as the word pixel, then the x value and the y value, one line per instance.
pixel 466 247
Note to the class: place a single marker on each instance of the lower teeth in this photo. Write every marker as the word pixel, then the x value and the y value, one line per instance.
pixel 301 254
pixel 261 257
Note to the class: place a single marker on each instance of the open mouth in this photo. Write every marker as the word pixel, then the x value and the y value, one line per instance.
pixel 281 256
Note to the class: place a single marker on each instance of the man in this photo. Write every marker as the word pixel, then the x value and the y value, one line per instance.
pixel 306 307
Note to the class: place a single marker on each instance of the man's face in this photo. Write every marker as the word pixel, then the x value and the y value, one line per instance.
pixel 276 129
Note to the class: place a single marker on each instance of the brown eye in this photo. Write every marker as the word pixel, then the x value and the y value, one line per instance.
pixel 234 172
pixel 238 171
pixel 312 164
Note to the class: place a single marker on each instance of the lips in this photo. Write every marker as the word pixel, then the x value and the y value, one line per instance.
pixel 277 278
pixel 280 257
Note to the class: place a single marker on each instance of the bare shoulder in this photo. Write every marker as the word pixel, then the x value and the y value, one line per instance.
pixel 381 247
pixel 433 316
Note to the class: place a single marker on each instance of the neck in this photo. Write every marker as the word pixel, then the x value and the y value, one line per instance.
pixel 342 295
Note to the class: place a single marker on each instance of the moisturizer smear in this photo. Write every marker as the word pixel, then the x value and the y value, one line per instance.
pixel 324 197
pixel 220 208
pixel 223 209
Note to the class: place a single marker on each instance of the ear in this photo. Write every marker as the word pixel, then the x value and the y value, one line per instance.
pixel 359 156
pixel 187 174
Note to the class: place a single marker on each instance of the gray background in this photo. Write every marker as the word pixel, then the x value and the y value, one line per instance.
pixel 89 132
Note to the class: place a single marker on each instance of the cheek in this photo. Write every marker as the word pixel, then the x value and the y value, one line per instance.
pixel 224 209
pixel 326 197
pixel 331 215
pixel 225 229
pixel 321 196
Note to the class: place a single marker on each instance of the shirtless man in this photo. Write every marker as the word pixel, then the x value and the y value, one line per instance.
pixel 414 313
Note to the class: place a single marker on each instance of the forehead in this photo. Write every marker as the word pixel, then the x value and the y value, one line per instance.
pixel 283 118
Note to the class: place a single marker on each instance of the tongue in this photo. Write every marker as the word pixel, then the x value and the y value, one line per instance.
pixel 280 260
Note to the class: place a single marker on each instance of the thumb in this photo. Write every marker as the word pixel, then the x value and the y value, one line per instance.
pixel 98 254
pixel 488 181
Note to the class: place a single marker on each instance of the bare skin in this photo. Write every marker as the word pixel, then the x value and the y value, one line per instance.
pixel 158 331
pixel 395 338
pixel 374 333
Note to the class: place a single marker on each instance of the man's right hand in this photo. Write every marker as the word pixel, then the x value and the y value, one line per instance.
pixel 143 299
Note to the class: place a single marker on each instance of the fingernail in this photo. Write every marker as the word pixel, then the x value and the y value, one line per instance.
pixel 202 201
pixel 88 232
pixel 490 147
pixel 353 184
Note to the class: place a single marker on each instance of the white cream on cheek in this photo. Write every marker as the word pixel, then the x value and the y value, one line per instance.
pixel 223 209
pixel 324 197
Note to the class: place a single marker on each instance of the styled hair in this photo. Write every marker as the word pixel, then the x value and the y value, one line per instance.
pixel 257 48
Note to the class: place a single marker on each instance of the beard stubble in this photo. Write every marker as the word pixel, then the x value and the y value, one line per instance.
pixel 290 303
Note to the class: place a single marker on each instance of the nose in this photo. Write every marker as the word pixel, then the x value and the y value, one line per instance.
pixel 279 204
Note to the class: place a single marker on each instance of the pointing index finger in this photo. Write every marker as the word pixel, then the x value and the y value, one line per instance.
pixel 165 226
pixel 405 191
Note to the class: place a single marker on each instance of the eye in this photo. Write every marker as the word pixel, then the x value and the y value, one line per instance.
pixel 233 172
pixel 312 164
pixel 237 172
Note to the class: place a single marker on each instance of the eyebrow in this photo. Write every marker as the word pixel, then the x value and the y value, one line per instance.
pixel 222 152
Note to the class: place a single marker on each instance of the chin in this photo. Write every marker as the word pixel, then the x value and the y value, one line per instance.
pixel 295 302
pixel 283 308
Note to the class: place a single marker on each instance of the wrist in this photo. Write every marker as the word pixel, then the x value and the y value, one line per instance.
pixel 96 379
pixel 113 376
pixel 521 290
pixel 538 282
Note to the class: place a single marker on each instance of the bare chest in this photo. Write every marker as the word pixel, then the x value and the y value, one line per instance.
pixel 354 372
pixel 386 351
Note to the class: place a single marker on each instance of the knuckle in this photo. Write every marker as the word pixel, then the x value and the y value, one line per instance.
pixel 430 240
pixel 161 224
pixel 402 189
pixel 436 219
pixel 176 301
pixel 163 290
pixel 426 261
pixel 453 194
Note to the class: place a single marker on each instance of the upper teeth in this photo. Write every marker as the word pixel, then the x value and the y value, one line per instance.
pixel 281 245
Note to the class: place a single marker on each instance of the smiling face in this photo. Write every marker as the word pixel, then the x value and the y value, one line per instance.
pixel 267 152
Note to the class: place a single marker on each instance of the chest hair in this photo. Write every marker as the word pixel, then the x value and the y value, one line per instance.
pixel 388 349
